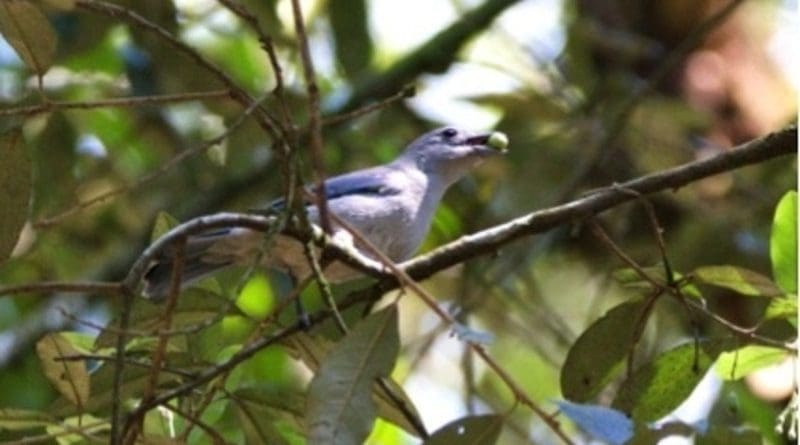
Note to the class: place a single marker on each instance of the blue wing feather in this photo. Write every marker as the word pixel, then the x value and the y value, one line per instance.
pixel 370 182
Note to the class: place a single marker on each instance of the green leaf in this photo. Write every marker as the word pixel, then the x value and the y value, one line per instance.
pixel 196 307
pixel 269 416
pixel 783 243
pixel 723 435
pixel 312 350
pixel 164 223
pixel 472 430
pixel 596 356
pixel 27 30
pixel 340 409
pixel 736 364
pixel 256 298
pixel 21 419
pixel 659 387
pixel 785 308
pixel 737 279
pixel 630 278
pixel 15 190
pixel 69 377
pixel 351 35
pixel 134 381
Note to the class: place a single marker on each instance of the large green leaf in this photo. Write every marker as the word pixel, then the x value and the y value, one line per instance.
pixel 596 356
pixel 15 190
pixel 27 30
pixel 736 364
pixel 351 35
pixel 312 351
pixel 783 243
pixel 657 388
pixel 340 409
pixel 472 430
pixel 743 281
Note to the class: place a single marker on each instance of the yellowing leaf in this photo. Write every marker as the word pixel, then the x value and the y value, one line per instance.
pixel 69 377
pixel 15 190
pixel 27 30
pixel 340 409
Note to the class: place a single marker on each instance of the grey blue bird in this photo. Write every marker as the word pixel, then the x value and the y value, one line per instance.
pixel 391 205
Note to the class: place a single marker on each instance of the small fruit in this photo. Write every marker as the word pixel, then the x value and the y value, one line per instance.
pixel 498 140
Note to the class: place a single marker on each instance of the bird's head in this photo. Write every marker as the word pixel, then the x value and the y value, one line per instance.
pixel 450 153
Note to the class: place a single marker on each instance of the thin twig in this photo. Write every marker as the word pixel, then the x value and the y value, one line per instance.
pixel 315 117
pixel 265 119
pixel 134 424
pixel 405 93
pixel 160 171
pixel 117 102
pixel 87 287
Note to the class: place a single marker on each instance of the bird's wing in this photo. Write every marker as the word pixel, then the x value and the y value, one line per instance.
pixel 369 182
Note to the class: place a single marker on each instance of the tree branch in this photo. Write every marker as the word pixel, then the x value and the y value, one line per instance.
pixel 487 241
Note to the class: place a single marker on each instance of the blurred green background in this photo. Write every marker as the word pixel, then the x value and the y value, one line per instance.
pixel 569 81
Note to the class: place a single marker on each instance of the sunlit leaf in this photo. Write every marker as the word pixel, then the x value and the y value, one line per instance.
pixel 785 308
pixel 472 430
pixel 164 223
pixel 736 364
pixel 256 298
pixel 340 409
pixel 69 377
pixel 21 419
pixel 27 30
pixel 660 386
pixel 600 422
pixel 783 243
pixel 597 355
pixel 743 281
pixel 15 190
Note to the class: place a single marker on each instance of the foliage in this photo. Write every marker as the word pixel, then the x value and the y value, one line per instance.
pixel 121 119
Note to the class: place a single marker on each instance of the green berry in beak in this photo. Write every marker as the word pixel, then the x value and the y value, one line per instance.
pixel 498 141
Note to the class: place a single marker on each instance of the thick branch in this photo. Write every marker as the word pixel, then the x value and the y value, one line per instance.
pixel 776 144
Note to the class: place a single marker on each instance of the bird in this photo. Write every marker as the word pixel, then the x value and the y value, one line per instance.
pixel 391 205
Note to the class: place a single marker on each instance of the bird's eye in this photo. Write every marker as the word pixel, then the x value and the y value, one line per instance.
pixel 449 133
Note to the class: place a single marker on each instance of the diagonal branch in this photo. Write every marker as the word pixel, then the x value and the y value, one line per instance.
pixel 780 143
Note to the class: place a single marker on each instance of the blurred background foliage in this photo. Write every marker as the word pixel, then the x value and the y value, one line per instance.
pixel 569 81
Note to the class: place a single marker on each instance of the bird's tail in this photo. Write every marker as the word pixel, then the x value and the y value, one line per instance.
pixel 196 265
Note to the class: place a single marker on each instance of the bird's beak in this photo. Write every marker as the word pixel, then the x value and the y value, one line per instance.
pixel 489 144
